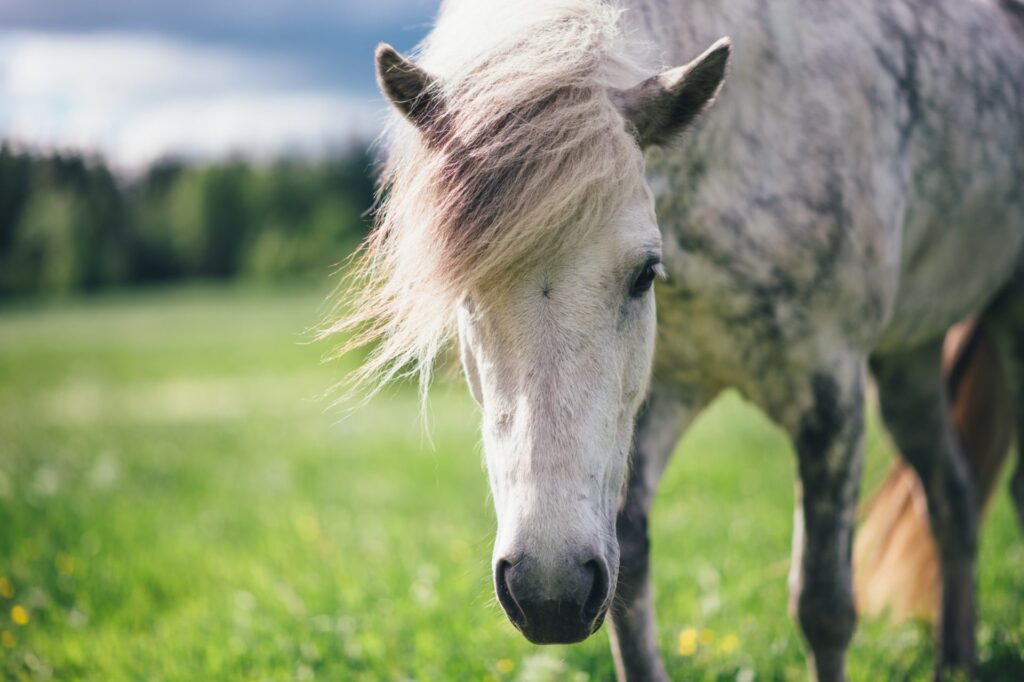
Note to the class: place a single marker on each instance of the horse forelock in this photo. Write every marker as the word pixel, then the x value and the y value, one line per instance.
pixel 523 154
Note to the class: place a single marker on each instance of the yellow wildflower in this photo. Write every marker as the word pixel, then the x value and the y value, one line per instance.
pixel 19 615
pixel 7 639
pixel 65 564
pixel 687 642
pixel 6 588
pixel 729 643
pixel 707 636
pixel 504 666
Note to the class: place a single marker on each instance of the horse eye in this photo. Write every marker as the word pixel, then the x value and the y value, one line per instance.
pixel 644 279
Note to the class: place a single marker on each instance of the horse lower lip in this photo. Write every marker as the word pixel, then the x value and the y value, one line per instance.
pixel 558 637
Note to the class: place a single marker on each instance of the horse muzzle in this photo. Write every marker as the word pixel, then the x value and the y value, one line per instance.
pixel 559 602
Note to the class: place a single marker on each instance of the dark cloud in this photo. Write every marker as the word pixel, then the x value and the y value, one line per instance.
pixel 332 39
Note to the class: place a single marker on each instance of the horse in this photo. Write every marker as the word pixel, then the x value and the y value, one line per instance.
pixel 813 190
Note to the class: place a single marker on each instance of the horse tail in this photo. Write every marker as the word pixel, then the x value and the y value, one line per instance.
pixel 895 555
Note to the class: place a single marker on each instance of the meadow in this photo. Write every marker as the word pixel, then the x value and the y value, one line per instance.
pixel 179 502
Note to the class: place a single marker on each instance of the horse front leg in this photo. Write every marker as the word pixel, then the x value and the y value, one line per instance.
pixel 828 434
pixel 633 633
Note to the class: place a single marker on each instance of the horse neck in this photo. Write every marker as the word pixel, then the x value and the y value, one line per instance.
pixel 682 30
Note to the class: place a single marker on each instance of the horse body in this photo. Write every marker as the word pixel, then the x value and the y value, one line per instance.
pixel 858 182
pixel 854 192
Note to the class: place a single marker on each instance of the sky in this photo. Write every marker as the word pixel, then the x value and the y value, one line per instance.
pixel 138 80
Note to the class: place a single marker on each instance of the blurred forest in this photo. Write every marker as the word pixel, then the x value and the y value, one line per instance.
pixel 69 223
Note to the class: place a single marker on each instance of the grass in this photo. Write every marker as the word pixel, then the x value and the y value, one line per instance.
pixel 177 504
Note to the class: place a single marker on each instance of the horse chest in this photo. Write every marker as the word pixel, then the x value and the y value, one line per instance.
pixel 760 304
pixel 752 341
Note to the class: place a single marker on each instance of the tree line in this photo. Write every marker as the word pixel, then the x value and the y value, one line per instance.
pixel 69 223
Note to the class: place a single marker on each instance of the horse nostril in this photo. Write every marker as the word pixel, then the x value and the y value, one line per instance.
pixel 598 589
pixel 505 596
pixel 557 602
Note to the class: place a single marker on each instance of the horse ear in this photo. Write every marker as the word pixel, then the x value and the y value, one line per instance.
pixel 663 105
pixel 408 87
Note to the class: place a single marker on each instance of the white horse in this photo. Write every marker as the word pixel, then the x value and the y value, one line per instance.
pixel 856 190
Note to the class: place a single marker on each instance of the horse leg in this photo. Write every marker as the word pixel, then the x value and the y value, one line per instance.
pixel 633 633
pixel 828 432
pixel 1017 487
pixel 1006 320
pixel 915 408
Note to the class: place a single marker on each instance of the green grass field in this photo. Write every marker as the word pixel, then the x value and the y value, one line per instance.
pixel 178 503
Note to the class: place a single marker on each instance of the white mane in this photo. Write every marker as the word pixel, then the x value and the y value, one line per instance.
pixel 526 152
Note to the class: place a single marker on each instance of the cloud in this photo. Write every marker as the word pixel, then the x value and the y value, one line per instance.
pixel 136 97
pixel 256 124
pixel 239 14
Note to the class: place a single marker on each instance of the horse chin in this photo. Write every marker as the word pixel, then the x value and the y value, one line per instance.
pixel 558 633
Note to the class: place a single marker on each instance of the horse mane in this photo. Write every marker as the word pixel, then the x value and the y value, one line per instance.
pixel 524 153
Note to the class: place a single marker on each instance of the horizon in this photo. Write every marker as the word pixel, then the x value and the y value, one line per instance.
pixel 197 81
